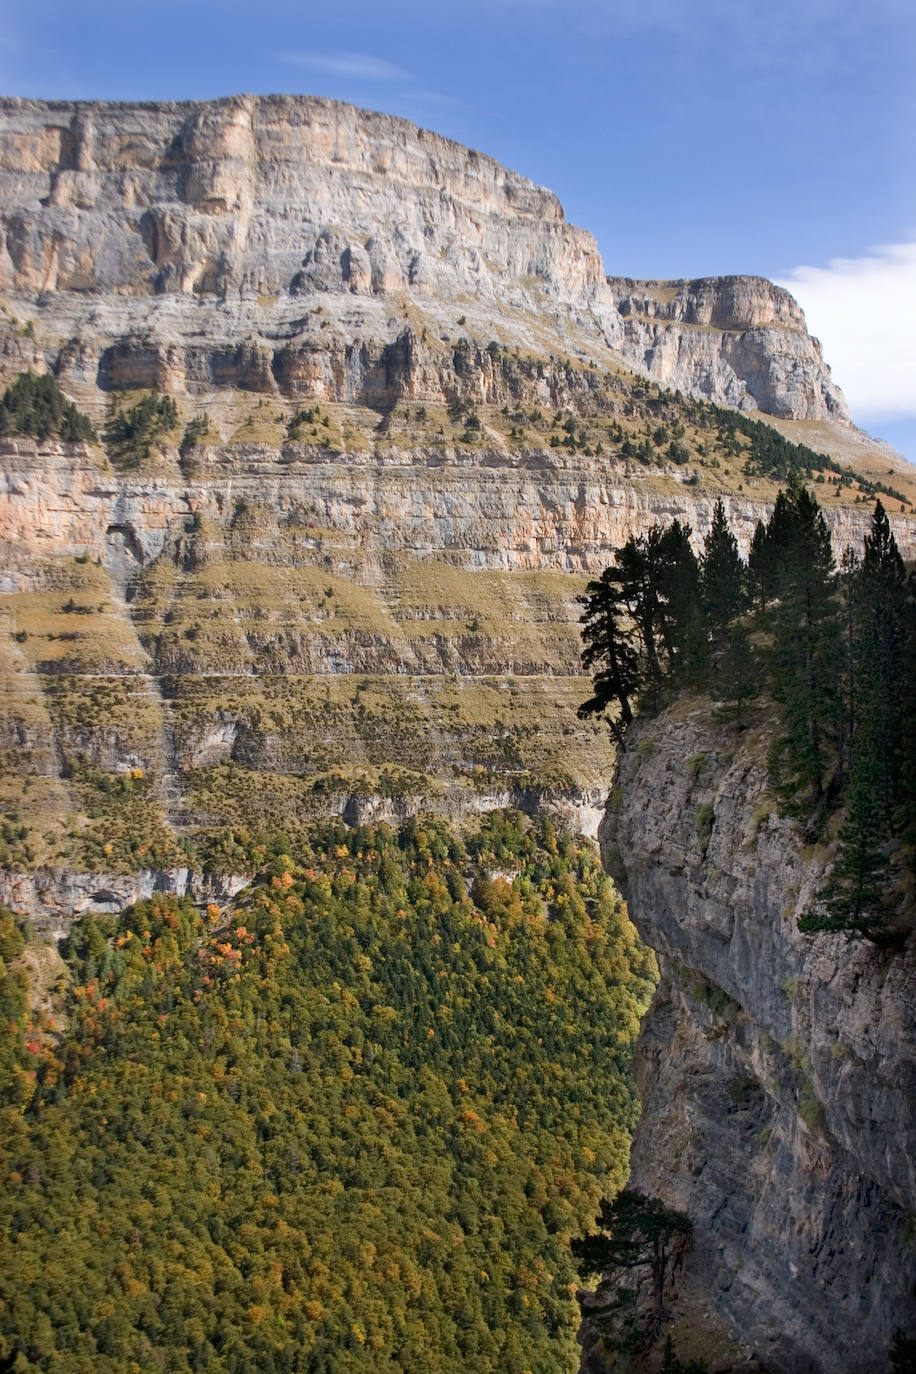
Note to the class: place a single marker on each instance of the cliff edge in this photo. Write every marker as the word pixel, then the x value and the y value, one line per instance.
pixel 777 1071
pixel 190 246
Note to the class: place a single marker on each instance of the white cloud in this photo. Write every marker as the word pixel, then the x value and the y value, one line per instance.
pixel 362 66
pixel 863 311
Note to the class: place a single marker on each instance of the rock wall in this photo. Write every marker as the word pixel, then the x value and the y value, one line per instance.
pixel 268 629
pixel 201 245
pixel 777 1071
pixel 740 341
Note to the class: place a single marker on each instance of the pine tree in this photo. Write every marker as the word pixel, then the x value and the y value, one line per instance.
pixel 880 643
pixel 36 405
pixel 682 624
pixel 855 899
pixel 609 641
pixel 907 809
pixel 636 1232
pixel 638 565
pixel 759 567
pixel 855 896
pixel 737 679
pixel 805 656
pixel 848 623
pixel 722 574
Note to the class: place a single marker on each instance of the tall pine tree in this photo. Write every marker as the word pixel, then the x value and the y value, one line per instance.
pixel 722 574
pixel 855 899
pixel 805 655
pixel 609 636
pixel 880 645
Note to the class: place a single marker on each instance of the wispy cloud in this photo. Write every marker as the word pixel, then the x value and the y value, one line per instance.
pixel 861 309
pixel 358 65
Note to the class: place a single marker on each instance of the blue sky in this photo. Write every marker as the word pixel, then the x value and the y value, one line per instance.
pixel 691 137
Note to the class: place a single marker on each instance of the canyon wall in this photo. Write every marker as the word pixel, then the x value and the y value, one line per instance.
pixel 201 245
pixel 777 1070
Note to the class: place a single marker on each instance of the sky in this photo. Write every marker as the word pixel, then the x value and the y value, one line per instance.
pixel 691 137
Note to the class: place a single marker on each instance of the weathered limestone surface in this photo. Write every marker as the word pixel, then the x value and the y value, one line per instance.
pixel 737 340
pixel 189 246
pixel 777 1071
pixel 480 508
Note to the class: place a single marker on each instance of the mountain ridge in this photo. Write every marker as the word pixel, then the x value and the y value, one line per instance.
pixel 254 198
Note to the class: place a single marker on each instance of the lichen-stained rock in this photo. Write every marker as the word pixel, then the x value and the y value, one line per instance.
pixel 777 1071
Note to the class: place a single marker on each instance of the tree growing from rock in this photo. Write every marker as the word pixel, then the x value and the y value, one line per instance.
pixel 609 642
pixel 637 1236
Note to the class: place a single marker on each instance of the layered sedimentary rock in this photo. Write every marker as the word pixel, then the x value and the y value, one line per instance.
pixel 367 625
pixel 777 1070
pixel 423 434
pixel 188 246
pixel 738 340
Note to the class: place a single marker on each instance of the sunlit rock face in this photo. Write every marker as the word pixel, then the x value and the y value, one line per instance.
pixel 376 587
pixel 185 246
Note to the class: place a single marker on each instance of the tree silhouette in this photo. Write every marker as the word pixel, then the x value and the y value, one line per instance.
pixel 635 1233
pixel 722 574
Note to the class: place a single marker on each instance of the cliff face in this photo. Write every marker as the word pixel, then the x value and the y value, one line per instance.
pixel 777 1071
pixel 738 340
pixel 189 246
pixel 267 629
pixel 358 589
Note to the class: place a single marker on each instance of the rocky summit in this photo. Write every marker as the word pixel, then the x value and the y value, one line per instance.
pixel 190 247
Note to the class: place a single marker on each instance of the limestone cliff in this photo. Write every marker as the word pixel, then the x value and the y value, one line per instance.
pixel 354 590
pixel 189 246
pixel 777 1071
pixel 738 340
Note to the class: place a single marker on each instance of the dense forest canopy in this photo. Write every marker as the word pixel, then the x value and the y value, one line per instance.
pixel 835 649
pixel 349 1124
pixel 36 405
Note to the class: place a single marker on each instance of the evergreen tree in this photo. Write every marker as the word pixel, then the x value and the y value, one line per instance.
pixel 682 623
pixel 36 405
pixel 636 1232
pixel 659 582
pixel 907 814
pixel 771 546
pixel 880 644
pixel 609 636
pixel 848 621
pixel 722 574
pixel 737 679
pixel 875 611
pixel 805 655
pixel 759 567
pixel 855 896
pixel 638 564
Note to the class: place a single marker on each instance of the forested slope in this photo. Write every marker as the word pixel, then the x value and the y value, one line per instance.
pixel 349 1124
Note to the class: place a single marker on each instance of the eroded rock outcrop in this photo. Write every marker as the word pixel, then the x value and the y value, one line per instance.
pixel 740 341
pixel 258 241
pixel 777 1071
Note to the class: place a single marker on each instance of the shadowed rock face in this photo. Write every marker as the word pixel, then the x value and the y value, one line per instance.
pixel 777 1071
pixel 187 245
